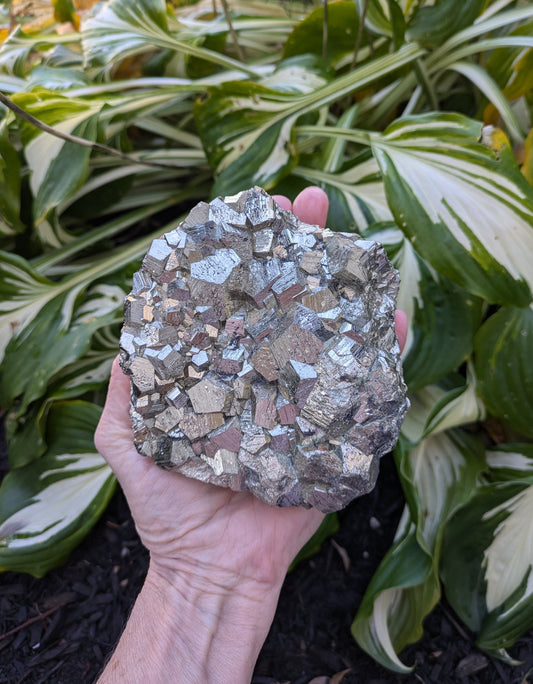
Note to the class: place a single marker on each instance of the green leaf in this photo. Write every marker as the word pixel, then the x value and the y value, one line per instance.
pixel 487 564
pixel 120 29
pixel 438 475
pixel 25 437
pixel 247 133
pixel 247 130
pixel 511 462
pixel 482 80
pixel 402 592
pixel 451 195
pixel 33 357
pixel 384 18
pixel 503 366
pixel 10 222
pixel 431 25
pixel 23 293
pixel 457 407
pixel 48 506
pixel 356 193
pixel 442 316
pixel 307 36
pixel 57 167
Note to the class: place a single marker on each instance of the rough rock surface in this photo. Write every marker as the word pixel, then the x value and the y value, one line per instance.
pixel 263 356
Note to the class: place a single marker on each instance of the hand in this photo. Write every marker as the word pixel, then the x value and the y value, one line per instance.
pixel 209 545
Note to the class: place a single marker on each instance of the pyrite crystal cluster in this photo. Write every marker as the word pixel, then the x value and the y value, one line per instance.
pixel 263 356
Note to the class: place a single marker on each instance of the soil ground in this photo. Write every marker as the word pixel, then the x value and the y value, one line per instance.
pixel 62 628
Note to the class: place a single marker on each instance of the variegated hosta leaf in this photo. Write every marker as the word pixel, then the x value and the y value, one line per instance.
pixel 15 50
pixel 119 29
pixel 487 564
pixel 423 403
pixel 438 475
pixel 451 195
pixel 511 462
pixel 33 357
pixel 356 193
pixel 247 130
pixel 57 167
pixel 10 222
pixel 442 316
pixel 48 506
pixel 459 406
pixel 23 293
pixel 503 366
pixel 404 589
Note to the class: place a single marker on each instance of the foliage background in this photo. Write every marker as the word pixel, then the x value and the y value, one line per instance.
pixel 414 117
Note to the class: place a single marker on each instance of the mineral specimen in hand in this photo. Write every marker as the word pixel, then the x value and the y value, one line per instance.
pixel 263 356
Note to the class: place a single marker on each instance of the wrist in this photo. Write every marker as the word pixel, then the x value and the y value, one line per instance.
pixel 189 628
pixel 217 624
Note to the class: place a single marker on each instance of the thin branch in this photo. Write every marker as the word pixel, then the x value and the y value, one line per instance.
pixel 234 37
pixel 325 32
pixel 359 37
pixel 41 616
pixel 97 147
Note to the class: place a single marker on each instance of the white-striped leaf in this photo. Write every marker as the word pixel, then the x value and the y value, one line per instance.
pixel 487 564
pixel 443 317
pixel 404 589
pixel 247 130
pixel 23 293
pixel 120 29
pixel 57 167
pixel 503 366
pixel 48 506
pixel 511 462
pixel 356 193
pixel 438 476
pixel 453 196
pixel 459 406
pixel 423 403
pixel 34 356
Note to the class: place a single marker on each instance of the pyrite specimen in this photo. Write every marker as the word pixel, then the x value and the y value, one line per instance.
pixel 263 356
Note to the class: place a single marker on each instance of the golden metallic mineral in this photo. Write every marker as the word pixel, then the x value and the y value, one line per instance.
pixel 263 356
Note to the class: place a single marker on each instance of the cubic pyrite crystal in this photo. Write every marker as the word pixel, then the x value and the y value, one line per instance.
pixel 263 356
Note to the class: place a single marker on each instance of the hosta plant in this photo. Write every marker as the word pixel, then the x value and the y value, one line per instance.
pixel 416 118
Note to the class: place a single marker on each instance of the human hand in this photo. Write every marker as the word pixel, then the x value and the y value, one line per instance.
pixel 207 543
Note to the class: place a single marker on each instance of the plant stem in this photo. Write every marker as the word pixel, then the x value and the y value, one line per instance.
pixel 360 30
pixel 234 37
pixel 97 147
pixel 325 32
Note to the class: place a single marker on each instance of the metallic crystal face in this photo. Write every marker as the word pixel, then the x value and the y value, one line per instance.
pixel 262 354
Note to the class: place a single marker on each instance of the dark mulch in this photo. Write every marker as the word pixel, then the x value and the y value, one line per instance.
pixel 62 628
